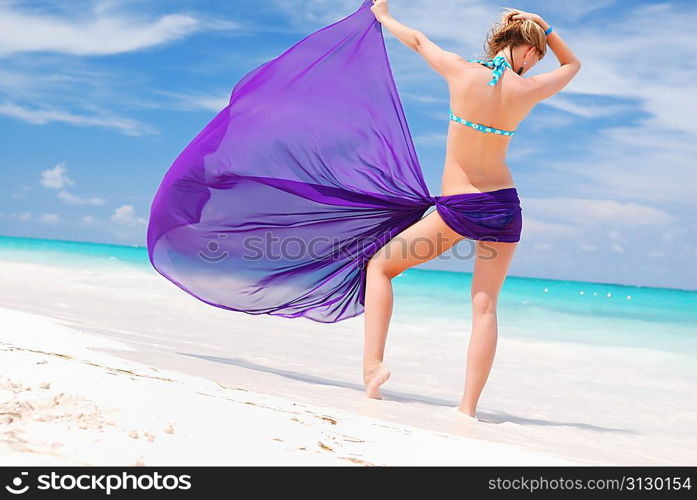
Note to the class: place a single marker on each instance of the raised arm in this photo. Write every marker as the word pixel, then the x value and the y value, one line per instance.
pixel 547 84
pixel 442 61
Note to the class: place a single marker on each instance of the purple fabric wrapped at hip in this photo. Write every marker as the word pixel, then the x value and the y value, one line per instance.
pixel 278 203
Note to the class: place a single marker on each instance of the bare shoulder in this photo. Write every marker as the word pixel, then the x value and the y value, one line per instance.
pixel 445 62
pixel 544 85
pixel 463 67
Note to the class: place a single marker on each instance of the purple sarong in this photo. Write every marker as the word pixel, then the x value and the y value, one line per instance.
pixel 278 203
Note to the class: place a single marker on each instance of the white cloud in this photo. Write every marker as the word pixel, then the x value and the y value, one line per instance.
pixel 570 10
pixel 548 122
pixel 196 100
pixel 47 87
pixel 14 82
pixel 21 192
pixel 644 163
pixel 23 216
pixel 44 115
pixel 586 247
pixel 456 23
pixel 306 14
pixel 586 110
pixel 34 77
pixel 613 71
pixel 48 218
pixel 588 212
pixel 533 225
pixel 56 178
pixel 51 88
pixel 616 247
pixel 76 200
pixel 674 234
pixel 99 32
pixel 126 215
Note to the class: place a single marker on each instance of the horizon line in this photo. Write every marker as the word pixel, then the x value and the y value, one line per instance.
pixel 85 242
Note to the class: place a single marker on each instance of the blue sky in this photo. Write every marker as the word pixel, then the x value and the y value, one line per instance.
pixel 97 98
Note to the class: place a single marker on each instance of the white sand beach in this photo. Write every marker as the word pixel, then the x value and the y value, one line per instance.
pixel 65 402
pixel 112 364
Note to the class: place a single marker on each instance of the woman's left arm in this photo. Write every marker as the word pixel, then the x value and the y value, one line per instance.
pixel 444 62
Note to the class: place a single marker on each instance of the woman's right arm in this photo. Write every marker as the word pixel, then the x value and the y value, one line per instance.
pixel 547 84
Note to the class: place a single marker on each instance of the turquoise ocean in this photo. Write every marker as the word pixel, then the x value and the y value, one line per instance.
pixel 543 309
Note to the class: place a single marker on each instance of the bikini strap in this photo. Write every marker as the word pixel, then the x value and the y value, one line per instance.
pixel 498 65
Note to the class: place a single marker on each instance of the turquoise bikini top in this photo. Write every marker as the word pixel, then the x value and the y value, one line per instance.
pixel 498 65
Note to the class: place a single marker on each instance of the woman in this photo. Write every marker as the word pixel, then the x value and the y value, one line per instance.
pixel 475 163
pixel 282 203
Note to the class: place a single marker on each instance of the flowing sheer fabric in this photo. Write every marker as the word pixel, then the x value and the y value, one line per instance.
pixel 278 203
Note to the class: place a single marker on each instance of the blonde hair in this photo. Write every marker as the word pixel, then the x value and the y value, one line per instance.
pixel 514 32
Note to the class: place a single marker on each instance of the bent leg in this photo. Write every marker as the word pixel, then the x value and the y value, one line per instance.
pixel 420 242
pixel 490 269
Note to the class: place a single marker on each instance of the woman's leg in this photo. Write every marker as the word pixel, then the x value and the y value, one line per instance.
pixel 490 269
pixel 420 242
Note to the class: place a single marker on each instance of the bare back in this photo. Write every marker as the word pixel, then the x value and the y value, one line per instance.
pixel 475 161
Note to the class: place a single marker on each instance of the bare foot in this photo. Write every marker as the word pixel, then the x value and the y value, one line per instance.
pixel 468 415
pixel 373 378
